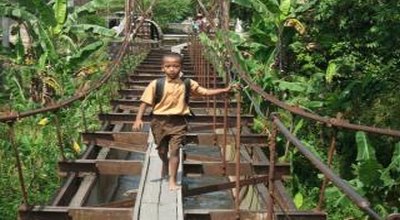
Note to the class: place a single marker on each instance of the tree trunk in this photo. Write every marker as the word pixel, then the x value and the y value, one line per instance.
pixel 225 6
pixel 5 24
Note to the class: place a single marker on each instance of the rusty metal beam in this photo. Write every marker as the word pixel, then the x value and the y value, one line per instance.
pixel 224 214
pixel 81 213
pixel 224 186
pixel 129 118
pixel 193 104
pixel 135 140
pixel 104 167
pixel 141 77
pixel 147 82
pixel 217 169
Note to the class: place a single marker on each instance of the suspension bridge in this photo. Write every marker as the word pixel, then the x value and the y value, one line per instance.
pixel 226 171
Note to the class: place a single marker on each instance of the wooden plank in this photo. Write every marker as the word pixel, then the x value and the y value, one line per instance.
pixel 193 104
pixel 168 203
pixel 101 213
pixel 65 194
pixel 44 213
pixel 246 169
pixel 151 193
pixel 225 186
pixel 200 118
pixel 280 191
pixel 83 213
pixel 179 195
pixel 140 138
pixel 222 214
pixel 104 167
pixel 149 211
pixel 123 203
pixel 117 167
pixel 135 142
pixel 145 167
pixel 83 192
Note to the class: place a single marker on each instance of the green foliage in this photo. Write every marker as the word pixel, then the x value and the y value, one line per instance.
pixel 59 49
pixel 170 11
pixel 39 148
pixel 336 58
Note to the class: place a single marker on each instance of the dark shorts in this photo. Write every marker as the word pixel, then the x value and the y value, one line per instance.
pixel 169 130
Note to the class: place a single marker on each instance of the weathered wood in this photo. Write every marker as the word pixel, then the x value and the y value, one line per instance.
pixel 101 213
pixel 82 213
pixel 138 140
pixel 140 77
pixel 225 186
pixel 123 203
pixel 83 191
pixel 193 104
pixel 129 118
pixel 216 168
pixel 142 183
pixel 134 142
pixel 67 191
pixel 104 167
pixel 179 193
pixel 215 214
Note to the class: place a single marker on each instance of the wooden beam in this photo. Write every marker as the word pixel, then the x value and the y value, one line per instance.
pixel 103 167
pixel 91 213
pixel 137 141
pixel 193 104
pixel 132 141
pixel 124 203
pixel 67 191
pixel 129 118
pixel 224 186
pixel 216 168
pixel 222 214
pixel 82 213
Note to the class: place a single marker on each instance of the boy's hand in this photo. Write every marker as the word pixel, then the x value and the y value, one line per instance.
pixel 137 126
pixel 232 86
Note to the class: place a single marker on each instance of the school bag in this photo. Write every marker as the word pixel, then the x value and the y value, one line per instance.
pixel 160 82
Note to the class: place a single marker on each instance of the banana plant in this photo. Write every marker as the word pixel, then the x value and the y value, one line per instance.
pixel 60 46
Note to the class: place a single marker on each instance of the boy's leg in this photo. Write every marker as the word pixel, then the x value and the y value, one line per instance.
pixel 157 127
pixel 177 138
pixel 163 154
pixel 175 142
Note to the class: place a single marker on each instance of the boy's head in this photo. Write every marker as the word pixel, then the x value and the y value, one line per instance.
pixel 171 64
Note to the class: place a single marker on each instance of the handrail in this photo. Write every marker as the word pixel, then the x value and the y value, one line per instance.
pixel 336 180
pixel 80 95
pixel 300 111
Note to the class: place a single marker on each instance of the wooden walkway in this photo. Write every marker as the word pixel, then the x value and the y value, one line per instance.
pixel 155 200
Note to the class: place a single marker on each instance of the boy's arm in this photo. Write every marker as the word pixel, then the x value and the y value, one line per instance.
pixel 211 92
pixel 199 90
pixel 138 124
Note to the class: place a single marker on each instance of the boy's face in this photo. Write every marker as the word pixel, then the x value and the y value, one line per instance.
pixel 171 67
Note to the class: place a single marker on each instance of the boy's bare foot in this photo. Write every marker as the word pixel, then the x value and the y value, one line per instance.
pixel 172 184
pixel 174 187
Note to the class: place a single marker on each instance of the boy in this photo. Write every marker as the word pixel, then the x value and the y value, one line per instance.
pixel 169 114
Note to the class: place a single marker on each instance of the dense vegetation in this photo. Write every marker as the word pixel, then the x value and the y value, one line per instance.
pixel 334 57
pixel 54 56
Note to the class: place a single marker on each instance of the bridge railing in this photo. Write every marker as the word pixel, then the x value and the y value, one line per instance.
pixel 206 65
pixel 126 48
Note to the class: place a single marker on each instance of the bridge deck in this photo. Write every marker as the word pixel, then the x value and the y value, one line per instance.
pixel 155 200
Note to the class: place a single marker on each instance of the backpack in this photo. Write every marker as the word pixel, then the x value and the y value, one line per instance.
pixel 160 91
